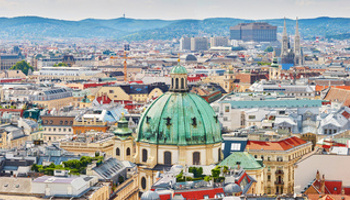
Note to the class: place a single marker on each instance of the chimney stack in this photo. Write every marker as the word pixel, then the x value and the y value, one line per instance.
pixel 323 181
pixel 238 165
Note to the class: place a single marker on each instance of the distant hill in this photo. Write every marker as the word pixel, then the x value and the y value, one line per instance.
pixel 139 29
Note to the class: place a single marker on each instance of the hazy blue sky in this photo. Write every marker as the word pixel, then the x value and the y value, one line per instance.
pixel 175 9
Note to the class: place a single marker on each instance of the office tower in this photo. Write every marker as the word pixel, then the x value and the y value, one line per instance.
pixel 218 41
pixel 185 43
pixel 199 44
pixel 257 31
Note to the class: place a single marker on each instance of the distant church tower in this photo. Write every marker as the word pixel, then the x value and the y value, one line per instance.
pixel 285 41
pixel 297 49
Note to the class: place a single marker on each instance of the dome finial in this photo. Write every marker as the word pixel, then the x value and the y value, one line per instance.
pixel 178 58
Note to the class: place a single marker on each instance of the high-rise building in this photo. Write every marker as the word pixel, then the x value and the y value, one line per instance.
pixel 257 31
pixel 199 44
pixel 185 43
pixel 218 41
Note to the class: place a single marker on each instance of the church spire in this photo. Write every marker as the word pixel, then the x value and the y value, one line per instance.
pixel 296 27
pixel 297 49
pixel 284 28
pixel 285 42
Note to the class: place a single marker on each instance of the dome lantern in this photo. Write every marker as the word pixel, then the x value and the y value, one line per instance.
pixel 178 76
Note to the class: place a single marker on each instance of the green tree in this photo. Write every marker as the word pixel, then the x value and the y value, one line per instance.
pixel 261 63
pixel 207 178
pixel 35 168
pixel 215 172
pixel 60 65
pixel 269 49
pixel 23 66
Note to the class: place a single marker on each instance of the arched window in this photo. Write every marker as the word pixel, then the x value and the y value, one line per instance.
pixel 196 158
pixel 176 83
pixel 144 155
pixel 182 83
pixel 128 151
pixel 117 152
pixel 172 83
pixel 143 183
pixel 167 158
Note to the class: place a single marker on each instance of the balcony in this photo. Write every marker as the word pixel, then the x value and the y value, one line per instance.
pixel 279 172
pixel 279 182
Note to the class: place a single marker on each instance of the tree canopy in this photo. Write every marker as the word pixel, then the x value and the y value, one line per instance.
pixel 60 65
pixel 269 49
pixel 23 66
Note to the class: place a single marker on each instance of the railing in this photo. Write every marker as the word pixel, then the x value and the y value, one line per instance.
pixel 279 182
pixel 279 172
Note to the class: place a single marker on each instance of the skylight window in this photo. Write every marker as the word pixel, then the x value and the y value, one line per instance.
pixel 235 146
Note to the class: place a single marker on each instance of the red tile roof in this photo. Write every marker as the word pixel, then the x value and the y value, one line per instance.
pixel 333 187
pixel 347 190
pixel 346 114
pixel 165 196
pixel 199 194
pixel 104 99
pixel 282 145
pixel 328 197
pixel 339 95
pixel 320 87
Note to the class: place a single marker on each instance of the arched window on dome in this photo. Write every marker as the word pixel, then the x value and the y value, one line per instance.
pixel 196 158
pixel 172 83
pixel 128 151
pixel 117 152
pixel 144 155
pixel 167 158
pixel 177 83
pixel 182 83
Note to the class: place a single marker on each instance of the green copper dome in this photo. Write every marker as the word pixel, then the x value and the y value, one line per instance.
pixel 274 63
pixel 178 70
pixel 123 130
pixel 179 118
pixel 85 100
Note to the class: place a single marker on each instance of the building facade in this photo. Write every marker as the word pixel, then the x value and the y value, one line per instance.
pixel 279 158
pixel 257 31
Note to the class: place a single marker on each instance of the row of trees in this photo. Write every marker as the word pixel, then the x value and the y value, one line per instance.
pixel 26 67
pixel 198 174
pixel 76 167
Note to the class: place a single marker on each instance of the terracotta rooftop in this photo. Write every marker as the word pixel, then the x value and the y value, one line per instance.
pixel 339 95
pixel 282 145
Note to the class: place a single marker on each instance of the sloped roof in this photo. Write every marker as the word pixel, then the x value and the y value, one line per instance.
pixel 281 145
pixel 338 95
pixel 247 161
pixel 110 168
